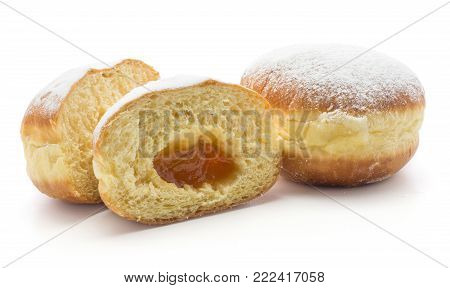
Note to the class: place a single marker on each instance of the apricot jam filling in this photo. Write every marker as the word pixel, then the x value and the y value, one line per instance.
pixel 201 163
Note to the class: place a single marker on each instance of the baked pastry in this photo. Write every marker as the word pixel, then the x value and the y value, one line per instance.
pixel 349 117
pixel 57 126
pixel 184 147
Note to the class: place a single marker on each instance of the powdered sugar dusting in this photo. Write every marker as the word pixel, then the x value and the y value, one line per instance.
pixel 321 76
pixel 49 99
pixel 179 81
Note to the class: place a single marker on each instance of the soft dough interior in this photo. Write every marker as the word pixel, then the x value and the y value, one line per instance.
pixel 123 161
pixel 67 161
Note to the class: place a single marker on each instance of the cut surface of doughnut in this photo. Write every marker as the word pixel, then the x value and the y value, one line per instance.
pixel 57 127
pixel 183 147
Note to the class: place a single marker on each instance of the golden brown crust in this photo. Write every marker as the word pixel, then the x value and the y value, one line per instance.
pixel 342 172
pixel 289 98
pixel 345 171
pixel 335 83
pixel 329 77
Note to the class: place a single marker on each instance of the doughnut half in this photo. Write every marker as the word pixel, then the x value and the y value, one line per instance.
pixel 150 156
pixel 348 117
pixel 57 127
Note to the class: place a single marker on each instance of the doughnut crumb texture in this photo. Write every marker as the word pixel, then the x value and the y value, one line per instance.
pixel 176 148
pixel 58 124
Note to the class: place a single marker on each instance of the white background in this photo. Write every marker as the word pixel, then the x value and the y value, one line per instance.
pixel 292 227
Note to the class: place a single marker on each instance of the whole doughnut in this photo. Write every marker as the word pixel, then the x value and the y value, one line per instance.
pixel 350 116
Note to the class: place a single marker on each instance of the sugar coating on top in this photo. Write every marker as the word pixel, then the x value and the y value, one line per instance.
pixel 176 82
pixel 49 99
pixel 338 76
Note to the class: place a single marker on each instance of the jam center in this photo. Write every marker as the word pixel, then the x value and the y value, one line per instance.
pixel 196 165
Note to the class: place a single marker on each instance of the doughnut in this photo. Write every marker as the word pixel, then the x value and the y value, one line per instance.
pixel 347 117
pixel 57 127
pixel 183 147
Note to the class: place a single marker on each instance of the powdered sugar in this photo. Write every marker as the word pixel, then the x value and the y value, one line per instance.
pixel 176 82
pixel 49 99
pixel 321 76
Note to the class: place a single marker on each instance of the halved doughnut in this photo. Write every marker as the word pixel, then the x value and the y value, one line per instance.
pixel 184 147
pixel 350 116
pixel 57 126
